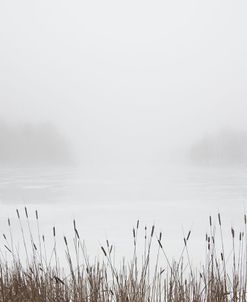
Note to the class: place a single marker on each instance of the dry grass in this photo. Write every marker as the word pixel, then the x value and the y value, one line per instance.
pixel 145 277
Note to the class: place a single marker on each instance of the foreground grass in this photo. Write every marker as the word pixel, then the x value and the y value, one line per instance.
pixel 145 277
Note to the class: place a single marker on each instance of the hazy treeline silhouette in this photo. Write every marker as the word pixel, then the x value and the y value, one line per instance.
pixel 32 144
pixel 226 146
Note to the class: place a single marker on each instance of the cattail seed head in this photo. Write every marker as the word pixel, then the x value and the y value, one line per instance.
pixel 8 249
pixel 134 233
pixel 219 219
pixel 160 236
pixel 137 224
pixel 102 248
pixel 188 236
pixel 160 244
pixel 162 271
pixel 77 234
pixel 26 212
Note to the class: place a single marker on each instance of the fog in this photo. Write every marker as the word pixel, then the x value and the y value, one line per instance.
pixel 227 147
pixel 33 145
pixel 122 105
pixel 125 81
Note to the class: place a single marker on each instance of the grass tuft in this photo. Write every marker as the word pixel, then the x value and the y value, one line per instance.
pixel 147 276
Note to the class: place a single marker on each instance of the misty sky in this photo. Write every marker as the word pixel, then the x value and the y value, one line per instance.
pixel 125 78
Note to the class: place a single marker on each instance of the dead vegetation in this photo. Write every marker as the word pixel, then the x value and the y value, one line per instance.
pixel 144 277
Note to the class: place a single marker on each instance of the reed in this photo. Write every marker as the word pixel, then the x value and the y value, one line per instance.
pixel 149 275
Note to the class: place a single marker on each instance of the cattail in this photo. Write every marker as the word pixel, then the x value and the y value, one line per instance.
pixel 188 236
pixel 137 224
pixel 36 214
pixel 160 244
pixel 4 237
pixel 26 212
pixel 245 219
pixel 17 212
pixel 160 236
pixel 8 249
pixel 240 236
pixel 219 219
pixel 134 233
pixel 103 251
pixel 57 279
pixel 162 271
pixel 210 220
pixel 233 233
pixel 77 234
pixel 65 240
pixel 222 257
pixel 152 231
pixel 111 249
pixel 54 232
pixel 8 221
pixel 107 243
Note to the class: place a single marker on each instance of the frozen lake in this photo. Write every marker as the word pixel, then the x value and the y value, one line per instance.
pixel 107 202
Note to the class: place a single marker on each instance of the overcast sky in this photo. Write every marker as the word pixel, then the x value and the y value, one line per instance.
pixel 125 78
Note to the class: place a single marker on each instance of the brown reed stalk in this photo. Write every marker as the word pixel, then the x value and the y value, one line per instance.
pixel 220 279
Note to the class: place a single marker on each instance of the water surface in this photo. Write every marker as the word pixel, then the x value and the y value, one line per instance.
pixel 107 202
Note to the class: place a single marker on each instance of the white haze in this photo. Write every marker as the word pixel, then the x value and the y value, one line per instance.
pixel 127 85
pixel 125 80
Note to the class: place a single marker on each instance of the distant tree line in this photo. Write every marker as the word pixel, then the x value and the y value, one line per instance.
pixel 32 144
pixel 226 146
